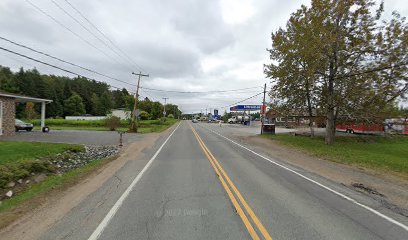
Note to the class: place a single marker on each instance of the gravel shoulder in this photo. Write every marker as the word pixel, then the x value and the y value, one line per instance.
pixel 55 206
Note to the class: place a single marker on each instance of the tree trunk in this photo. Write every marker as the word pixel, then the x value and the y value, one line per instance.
pixel 330 127
pixel 309 106
pixel 330 114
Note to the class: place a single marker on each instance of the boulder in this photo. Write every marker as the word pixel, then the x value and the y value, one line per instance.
pixel 9 194
pixel 11 184
pixel 40 178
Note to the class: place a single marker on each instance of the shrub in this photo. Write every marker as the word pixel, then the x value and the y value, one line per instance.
pixel 112 123
pixel 163 120
pixel 144 115
pixel 170 116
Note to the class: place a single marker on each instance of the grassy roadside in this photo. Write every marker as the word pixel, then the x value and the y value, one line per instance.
pixel 146 126
pixel 19 159
pixel 386 154
pixel 13 208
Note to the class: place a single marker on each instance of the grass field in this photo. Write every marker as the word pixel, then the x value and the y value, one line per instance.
pixel 19 152
pixel 12 209
pixel 19 159
pixel 145 126
pixel 374 152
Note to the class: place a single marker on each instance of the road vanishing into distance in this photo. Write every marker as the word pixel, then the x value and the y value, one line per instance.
pixel 198 183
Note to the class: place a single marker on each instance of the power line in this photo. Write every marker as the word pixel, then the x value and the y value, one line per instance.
pixel 68 29
pixel 59 68
pixel 15 59
pixel 243 100
pixel 215 91
pixel 148 95
pixel 84 27
pixel 64 61
pixel 104 35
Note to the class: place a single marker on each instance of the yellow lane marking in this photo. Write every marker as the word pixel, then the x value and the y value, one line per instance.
pixel 251 213
pixel 234 201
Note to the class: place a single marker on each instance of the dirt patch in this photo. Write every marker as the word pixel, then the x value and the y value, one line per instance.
pixel 389 189
pixel 55 205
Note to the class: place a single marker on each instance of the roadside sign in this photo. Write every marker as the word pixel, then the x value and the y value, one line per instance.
pixel 164 113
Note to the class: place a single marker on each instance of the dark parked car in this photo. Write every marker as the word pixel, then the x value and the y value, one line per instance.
pixel 20 125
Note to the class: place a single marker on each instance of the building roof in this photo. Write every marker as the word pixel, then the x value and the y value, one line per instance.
pixel 22 98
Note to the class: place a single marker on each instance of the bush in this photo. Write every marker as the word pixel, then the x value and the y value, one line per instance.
pixel 170 116
pixel 112 123
pixel 144 115
pixel 163 120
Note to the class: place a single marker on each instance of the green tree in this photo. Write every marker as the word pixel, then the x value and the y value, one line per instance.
pixel 105 103
pixel 336 57
pixel 157 110
pixel 144 115
pixel 74 106
pixel 96 107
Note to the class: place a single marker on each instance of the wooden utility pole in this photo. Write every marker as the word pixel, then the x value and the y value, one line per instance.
pixel 263 110
pixel 134 118
pixel 164 112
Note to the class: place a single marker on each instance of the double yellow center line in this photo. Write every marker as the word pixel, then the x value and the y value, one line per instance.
pixel 231 190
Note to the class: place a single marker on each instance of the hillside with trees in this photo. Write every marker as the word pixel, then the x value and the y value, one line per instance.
pixel 73 96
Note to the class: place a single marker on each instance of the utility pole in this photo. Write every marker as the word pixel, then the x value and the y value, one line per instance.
pixel 134 118
pixel 164 112
pixel 263 110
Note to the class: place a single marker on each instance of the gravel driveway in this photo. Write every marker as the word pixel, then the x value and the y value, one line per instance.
pixel 73 137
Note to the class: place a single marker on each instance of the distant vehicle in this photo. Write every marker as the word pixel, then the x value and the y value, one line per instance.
pixel 257 119
pixel 184 118
pixel 194 120
pixel 363 128
pixel 20 125
pixel 238 119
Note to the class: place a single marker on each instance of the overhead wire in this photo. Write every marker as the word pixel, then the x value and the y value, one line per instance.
pixel 71 31
pixel 104 35
pixel 86 29
pixel 64 61
pixel 214 91
pixel 246 99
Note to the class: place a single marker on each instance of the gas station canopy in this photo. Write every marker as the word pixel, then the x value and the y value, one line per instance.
pixel 246 108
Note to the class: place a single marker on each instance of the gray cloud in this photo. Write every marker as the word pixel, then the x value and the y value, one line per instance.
pixel 186 45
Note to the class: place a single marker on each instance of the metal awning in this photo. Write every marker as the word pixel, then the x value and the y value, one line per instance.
pixel 21 98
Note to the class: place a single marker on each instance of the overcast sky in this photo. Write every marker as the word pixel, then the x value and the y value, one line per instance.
pixel 185 45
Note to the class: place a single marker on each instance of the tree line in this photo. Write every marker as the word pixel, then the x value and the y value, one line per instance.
pixel 73 96
pixel 339 59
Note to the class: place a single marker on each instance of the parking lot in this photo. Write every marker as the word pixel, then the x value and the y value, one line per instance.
pixel 73 137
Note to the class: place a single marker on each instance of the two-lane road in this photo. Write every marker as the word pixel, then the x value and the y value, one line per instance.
pixel 201 185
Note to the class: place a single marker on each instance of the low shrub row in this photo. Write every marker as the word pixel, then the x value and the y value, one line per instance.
pixel 97 123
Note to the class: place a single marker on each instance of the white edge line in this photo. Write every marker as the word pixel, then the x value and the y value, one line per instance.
pixel 319 184
pixel 98 231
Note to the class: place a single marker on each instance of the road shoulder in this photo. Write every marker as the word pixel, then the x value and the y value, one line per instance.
pixel 390 191
pixel 33 224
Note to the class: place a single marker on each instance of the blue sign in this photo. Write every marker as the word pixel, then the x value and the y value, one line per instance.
pixel 246 108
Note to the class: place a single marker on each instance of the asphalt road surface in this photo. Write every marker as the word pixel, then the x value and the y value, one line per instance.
pixel 197 184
